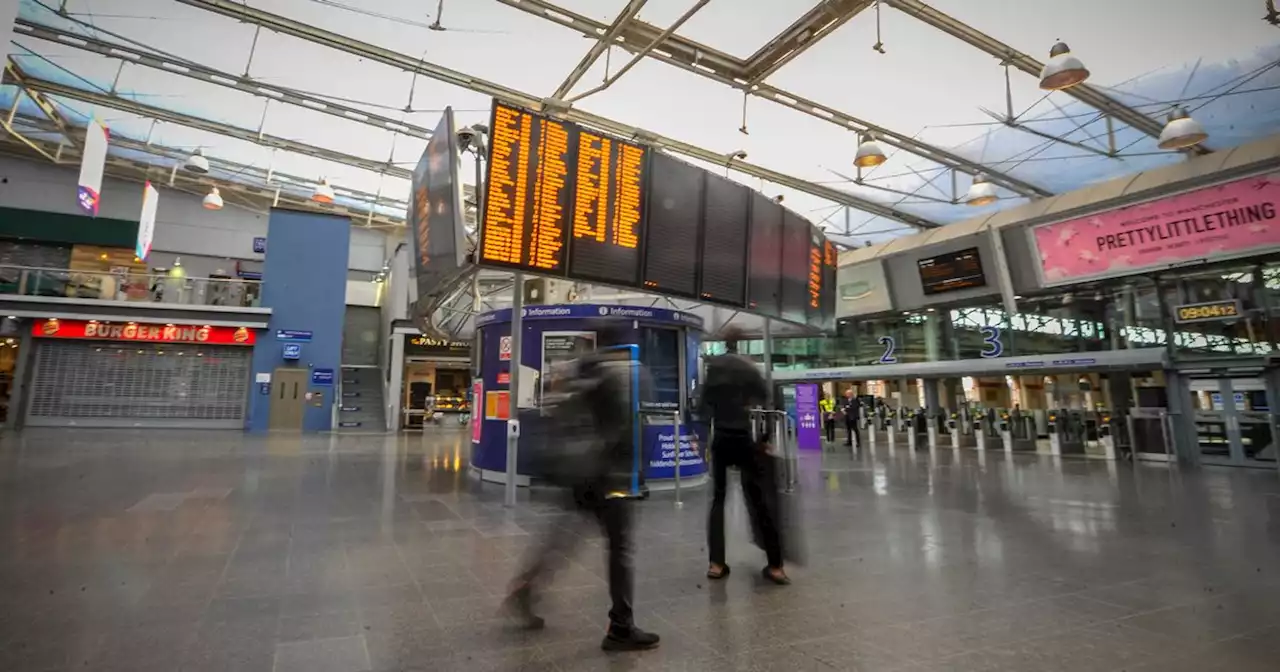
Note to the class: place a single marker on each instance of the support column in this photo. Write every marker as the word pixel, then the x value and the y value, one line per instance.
pixel 768 360
pixel 517 359
pixel 1182 437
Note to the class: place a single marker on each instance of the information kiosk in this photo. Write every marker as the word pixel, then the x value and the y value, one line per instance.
pixel 666 343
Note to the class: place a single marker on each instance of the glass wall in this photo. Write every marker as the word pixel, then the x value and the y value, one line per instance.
pixel 1120 314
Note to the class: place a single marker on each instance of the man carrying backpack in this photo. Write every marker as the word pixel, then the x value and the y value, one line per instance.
pixel 589 452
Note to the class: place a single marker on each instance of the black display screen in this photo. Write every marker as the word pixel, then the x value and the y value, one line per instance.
pixel 673 229
pixel 726 232
pixel 951 271
pixel 830 264
pixel 795 267
pixel 764 275
pixel 608 210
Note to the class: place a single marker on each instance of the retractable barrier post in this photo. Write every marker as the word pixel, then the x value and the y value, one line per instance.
pixel 1006 433
pixel 891 430
pixel 953 424
pixel 979 432
pixel 675 440
pixel 911 420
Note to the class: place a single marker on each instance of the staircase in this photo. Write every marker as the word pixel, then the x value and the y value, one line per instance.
pixel 361 402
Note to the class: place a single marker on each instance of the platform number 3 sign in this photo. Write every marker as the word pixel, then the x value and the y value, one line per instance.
pixel 992 347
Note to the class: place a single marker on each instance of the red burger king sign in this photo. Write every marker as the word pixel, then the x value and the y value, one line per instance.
pixel 143 333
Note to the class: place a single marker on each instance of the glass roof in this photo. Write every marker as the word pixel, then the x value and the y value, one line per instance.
pixel 1218 59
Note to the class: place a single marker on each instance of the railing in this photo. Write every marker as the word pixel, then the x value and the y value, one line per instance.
pixel 130 287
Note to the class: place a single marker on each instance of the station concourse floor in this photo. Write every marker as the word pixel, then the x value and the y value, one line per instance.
pixel 158 550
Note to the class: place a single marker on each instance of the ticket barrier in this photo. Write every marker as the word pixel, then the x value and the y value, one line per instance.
pixel 1017 431
pixel 960 425
pixel 979 423
pixel 919 429
pixel 1066 432
pixel 1106 435
pixel 779 428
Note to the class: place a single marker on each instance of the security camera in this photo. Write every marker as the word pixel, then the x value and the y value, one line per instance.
pixel 465 137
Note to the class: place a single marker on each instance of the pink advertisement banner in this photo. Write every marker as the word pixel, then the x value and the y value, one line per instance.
pixel 1228 220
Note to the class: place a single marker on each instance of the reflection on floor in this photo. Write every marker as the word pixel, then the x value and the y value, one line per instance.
pixel 159 550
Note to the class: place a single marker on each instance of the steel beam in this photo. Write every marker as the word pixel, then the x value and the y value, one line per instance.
pixel 19 78
pixel 704 61
pixel 598 47
pixel 805 32
pixel 1085 93
pixel 137 171
pixel 170 116
pixel 371 52
pixel 190 69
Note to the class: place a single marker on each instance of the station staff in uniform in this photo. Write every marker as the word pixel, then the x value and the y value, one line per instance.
pixel 827 406
pixel 852 409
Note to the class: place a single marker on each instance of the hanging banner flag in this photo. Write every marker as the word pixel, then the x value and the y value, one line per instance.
pixel 91 166
pixel 147 222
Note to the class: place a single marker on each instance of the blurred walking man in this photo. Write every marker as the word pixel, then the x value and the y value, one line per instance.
pixel 588 451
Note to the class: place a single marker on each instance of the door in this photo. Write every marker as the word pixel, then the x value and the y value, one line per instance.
pixel 288 399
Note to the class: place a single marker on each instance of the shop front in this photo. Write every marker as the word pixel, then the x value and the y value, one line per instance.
pixel 436 382
pixel 90 373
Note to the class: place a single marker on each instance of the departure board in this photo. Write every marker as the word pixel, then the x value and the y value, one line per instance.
pixel 764 279
pixel 674 226
pixel 608 210
pixel 569 202
pixel 795 267
pixel 725 237
pixel 951 271
pixel 527 196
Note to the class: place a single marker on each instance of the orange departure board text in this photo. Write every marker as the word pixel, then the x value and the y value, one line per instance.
pixel 815 276
pixel 608 210
pixel 527 194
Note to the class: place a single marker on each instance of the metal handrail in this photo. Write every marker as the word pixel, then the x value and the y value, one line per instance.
pixel 129 287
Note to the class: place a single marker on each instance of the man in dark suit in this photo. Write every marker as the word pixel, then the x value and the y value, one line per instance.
pixel 852 409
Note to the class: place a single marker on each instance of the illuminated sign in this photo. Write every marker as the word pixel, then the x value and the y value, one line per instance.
pixel 143 333
pixel 951 271
pixel 1207 312
pixel 607 210
pixel 815 276
pixel 527 196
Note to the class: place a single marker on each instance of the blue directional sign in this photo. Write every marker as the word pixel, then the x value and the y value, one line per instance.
pixel 293 351
pixel 259 245
pixel 293 335
pixel 322 377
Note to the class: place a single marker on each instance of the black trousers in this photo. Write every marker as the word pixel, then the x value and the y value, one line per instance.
pixel 854 432
pixel 737 450
pixel 829 426
pixel 554 550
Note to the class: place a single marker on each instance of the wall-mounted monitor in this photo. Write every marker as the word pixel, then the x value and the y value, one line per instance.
pixel 952 271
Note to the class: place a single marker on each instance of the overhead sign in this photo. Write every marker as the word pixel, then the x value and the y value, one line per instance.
pixel 93 161
pixel 435 211
pixel 259 245
pixel 593 311
pixel 1212 311
pixel 143 333
pixel 418 346
pixel 147 221
pixel 1209 224
pixel 861 290
pixel 952 271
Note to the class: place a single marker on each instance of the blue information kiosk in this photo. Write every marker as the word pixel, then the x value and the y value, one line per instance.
pixel 666 342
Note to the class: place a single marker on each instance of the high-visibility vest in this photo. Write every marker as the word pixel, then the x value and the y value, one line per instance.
pixel 827 405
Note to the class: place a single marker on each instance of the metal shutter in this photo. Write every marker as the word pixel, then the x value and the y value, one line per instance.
pixel 99 384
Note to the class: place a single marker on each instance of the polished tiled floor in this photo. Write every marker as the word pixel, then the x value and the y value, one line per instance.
pixel 162 550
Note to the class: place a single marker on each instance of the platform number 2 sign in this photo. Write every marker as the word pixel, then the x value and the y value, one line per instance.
pixel 888 357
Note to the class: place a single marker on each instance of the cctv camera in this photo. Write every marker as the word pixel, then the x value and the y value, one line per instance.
pixel 465 137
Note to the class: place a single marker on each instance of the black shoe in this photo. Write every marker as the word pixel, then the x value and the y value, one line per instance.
pixel 519 608
pixel 776 579
pixel 631 639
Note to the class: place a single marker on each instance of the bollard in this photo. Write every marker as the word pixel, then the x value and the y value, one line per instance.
pixel 675 439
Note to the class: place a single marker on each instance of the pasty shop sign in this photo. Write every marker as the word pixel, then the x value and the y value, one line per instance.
pixel 1220 222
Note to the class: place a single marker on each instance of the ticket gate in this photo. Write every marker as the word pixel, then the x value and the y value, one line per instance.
pixel 918 430
pixel 1017 431
pixel 1066 432
pixel 960 426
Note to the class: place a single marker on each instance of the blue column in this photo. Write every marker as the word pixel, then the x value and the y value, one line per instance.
pixel 305 286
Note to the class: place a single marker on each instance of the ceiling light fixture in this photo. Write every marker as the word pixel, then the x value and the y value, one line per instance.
pixel 869 153
pixel 1181 131
pixel 323 192
pixel 1063 70
pixel 196 163
pixel 981 192
pixel 214 200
